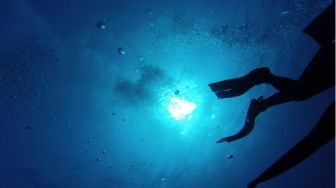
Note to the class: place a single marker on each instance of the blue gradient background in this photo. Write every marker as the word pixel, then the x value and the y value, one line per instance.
pixel 75 113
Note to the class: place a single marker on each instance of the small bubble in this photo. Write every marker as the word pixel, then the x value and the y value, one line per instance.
pixel 113 113
pixel 149 11
pixel 29 127
pixel 285 13
pixel 163 179
pixel 89 140
pixel 177 92
pixel 141 59
pixel 229 156
pixel 103 152
pixel 101 25
pixel 121 51
pixel 98 159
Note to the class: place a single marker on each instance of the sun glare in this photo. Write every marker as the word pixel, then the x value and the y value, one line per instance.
pixel 181 109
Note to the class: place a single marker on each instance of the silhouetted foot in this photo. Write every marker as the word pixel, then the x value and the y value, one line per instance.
pixel 259 76
pixel 238 86
pixel 254 110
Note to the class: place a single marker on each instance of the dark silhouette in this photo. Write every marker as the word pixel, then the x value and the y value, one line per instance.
pixel 318 76
pixel 321 134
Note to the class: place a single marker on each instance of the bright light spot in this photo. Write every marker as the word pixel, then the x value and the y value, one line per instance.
pixel 180 109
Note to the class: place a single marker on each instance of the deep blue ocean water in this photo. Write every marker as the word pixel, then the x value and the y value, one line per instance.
pixel 77 112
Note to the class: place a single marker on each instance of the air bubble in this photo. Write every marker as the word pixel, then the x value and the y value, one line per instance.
pixel 121 51
pixel 101 25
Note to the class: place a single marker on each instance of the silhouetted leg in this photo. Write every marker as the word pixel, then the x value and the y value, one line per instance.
pixel 317 77
pixel 278 98
pixel 244 84
pixel 256 107
pixel 298 93
pixel 282 83
pixel 322 133
pixel 320 72
pixel 248 127
pixel 238 86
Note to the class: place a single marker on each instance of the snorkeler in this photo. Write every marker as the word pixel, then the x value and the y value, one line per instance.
pixel 318 76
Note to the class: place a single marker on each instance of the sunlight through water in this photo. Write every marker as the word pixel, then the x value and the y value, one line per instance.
pixel 180 109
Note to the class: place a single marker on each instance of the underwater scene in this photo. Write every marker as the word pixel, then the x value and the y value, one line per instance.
pixel 167 94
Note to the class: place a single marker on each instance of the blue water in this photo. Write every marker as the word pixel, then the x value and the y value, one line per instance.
pixel 76 113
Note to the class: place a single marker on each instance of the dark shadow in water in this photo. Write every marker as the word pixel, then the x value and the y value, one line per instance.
pixel 145 88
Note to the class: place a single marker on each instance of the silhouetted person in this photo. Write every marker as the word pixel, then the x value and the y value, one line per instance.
pixel 318 76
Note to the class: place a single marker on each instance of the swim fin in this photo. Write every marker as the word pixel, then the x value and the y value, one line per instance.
pixel 238 86
pixel 252 113
pixel 225 84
